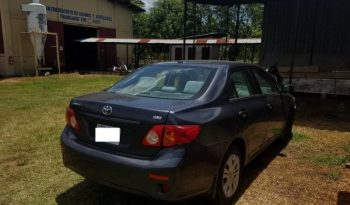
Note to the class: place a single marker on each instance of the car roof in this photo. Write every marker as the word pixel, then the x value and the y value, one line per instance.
pixel 208 63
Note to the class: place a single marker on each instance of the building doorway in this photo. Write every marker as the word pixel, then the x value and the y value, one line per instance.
pixel 80 56
pixel 178 54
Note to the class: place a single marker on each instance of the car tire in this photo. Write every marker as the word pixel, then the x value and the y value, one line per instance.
pixel 229 178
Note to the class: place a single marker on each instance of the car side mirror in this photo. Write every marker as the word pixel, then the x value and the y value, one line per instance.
pixel 287 88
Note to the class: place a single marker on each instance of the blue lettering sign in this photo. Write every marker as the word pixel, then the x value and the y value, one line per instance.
pixel 81 16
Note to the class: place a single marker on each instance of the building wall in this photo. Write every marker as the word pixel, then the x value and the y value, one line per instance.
pixel 2 47
pixel 214 53
pixel 110 20
pixel 1 38
pixel 319 33
pixel 322 31
pixel 5 68
pixel 123 21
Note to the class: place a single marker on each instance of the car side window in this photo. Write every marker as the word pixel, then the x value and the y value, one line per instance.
pixel 266 83
pixel 240 85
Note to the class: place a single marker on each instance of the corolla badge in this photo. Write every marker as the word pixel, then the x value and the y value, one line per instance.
pixel 156 117
pixel 107 110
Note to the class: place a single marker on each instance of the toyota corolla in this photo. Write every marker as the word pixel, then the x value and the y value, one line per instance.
pixel 177 130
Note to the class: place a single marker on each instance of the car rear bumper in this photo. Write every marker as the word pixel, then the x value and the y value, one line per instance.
pixel 127 173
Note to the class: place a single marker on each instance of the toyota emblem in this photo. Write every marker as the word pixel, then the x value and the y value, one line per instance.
pixel 107 110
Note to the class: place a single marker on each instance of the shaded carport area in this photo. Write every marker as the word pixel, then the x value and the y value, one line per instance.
pixel 309 41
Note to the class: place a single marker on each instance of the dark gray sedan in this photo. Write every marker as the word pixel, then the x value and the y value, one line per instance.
pixel 177 130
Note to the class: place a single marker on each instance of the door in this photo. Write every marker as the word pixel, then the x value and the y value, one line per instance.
pixel 50 46
pixel 178 53
pixel 249 109
pixel 205 53
pixel 80 56
pixel 107 52
pixel 268 88
pixel 191 53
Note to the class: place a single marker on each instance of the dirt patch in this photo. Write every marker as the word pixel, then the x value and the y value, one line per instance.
pixel 10 80
pixel 297 178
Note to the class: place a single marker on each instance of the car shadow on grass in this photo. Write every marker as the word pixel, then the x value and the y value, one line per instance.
pixel 343 198
pixel 87 192
pixel 91 193
pixel 260 163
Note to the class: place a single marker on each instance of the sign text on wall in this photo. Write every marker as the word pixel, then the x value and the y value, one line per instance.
pixel 80 16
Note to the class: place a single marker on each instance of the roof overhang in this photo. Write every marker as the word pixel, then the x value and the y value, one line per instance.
pixel 226 2
pixel 129 5
pixel 144 41
pixel 208 35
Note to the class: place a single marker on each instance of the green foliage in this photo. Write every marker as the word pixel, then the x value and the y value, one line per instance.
pixel 299 137
pixel 334 176
pixel 346 148
pixel 162 21
pixel 165 20
pixel 139 3
pixel 330 159
pixel 31 121
pixel 252 21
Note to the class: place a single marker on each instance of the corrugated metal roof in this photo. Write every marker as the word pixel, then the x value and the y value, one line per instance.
pixel 141 41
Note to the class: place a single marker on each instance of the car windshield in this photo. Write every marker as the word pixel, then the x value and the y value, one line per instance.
pixel 170 82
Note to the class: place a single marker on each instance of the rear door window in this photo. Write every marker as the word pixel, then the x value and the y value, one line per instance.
pixel 266 83
pixel 240 85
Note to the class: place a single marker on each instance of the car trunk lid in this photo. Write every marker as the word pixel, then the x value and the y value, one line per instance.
pixel 134 115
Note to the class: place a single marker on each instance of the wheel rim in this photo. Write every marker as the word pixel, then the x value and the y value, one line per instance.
pixel 230 177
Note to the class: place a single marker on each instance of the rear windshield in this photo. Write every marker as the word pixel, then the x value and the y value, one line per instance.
pixel 170 82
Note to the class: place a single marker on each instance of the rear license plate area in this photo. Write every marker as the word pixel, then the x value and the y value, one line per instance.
pixel 107 134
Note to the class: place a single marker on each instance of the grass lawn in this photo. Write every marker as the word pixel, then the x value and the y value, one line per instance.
pixel 32 116
pixel 310 170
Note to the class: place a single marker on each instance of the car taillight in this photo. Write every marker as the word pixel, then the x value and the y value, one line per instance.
pixel 170 135
pixel 179 134
pixel 72 119
pixel 154 136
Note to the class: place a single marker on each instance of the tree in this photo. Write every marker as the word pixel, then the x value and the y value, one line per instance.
pixel 162 21
pixel 252 18
pixel 139 3
pixel 165 20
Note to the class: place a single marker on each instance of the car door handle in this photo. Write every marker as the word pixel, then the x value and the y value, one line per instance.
pixel 243 114
pixel 270 106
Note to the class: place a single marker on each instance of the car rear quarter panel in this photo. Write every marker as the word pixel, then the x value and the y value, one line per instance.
pixel 203 157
